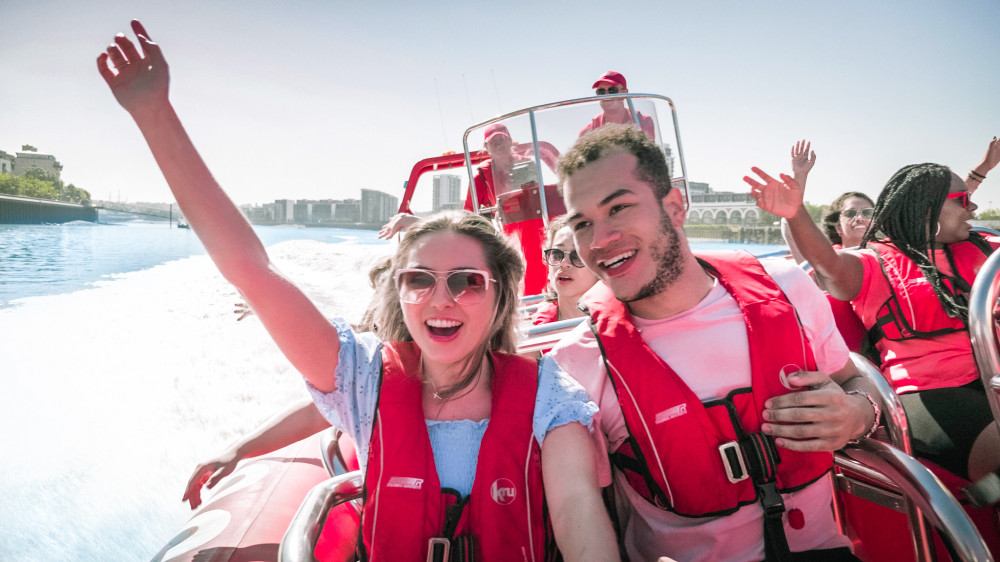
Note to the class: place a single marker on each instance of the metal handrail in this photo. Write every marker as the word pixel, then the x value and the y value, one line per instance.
pixel 924 491
pixel 982 301
pixel 299 541
pixel 898 428
pixel 329 447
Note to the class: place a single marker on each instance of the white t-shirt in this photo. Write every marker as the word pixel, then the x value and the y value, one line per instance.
pixel 708 348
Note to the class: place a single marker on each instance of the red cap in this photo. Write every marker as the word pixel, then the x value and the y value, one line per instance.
pixel 612 77
pixel 494 130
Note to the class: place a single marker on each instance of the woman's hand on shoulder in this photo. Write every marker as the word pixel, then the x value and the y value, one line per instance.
pixel 139 81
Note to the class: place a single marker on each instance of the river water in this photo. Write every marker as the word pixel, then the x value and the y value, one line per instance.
pixel 122 365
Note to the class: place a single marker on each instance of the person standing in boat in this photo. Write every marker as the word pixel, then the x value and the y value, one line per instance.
pixel 442 412
pixel 615 110
pixel 708 369
pixel 909 284
pixel 493 179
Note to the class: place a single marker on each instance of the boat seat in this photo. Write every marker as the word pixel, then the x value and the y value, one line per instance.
pixel 883 493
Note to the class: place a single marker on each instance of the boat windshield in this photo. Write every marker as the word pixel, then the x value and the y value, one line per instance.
pixel 523 148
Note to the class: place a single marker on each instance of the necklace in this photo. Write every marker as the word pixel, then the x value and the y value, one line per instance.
pixel 437 396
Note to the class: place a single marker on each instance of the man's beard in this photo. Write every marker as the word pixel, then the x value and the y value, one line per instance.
pixel 666 253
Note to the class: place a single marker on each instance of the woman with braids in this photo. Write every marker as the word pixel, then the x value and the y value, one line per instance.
pixel 458 437
pixel 909 283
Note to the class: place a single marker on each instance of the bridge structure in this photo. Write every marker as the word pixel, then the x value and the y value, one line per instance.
pixel 168 213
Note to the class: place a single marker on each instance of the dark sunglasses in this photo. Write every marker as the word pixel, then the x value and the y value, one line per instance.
pixel 465 286
pixel 555 257
pixel 610 90
pixel 851 213
pixel 962 196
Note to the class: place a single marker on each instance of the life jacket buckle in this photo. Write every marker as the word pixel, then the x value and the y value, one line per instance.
pixel 438 549
pixel 732 459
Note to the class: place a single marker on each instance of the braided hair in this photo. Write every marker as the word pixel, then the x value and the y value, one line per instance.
pixel 907 213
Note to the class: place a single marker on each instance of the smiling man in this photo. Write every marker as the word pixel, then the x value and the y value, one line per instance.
pixel 722 381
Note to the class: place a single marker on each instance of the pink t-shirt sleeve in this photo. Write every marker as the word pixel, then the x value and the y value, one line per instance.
pixel 814 312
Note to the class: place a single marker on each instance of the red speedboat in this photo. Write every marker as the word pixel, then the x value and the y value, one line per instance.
pixel 301 503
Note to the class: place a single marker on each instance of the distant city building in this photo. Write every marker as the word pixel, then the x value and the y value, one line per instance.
pixel 25 161
pixel 377 207
pixel 720 207
pixel 374 208
pixel 447 193
pixel 347 210
pixel 284 210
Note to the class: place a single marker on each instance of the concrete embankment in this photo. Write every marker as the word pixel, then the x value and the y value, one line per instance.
pixel 24 210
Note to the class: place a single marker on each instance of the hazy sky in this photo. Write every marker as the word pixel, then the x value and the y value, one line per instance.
pixel 319 99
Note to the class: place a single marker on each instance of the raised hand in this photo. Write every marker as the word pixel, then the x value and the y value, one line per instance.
pixel 778 197
pixel 992 157
pixel 820 417
pixel 208 474
pixel 139 81
pixel 396 224
pixel 803 159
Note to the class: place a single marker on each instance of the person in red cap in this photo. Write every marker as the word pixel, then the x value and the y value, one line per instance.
pixel 614 110
pixel 496 171
pixel 491 174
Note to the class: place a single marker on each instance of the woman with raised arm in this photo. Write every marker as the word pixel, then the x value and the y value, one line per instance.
pixel 846 219
pixel 909 284
pixel 457 434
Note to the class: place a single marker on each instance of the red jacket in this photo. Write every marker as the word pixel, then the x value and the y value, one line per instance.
pixel 676 445
pixel 405 506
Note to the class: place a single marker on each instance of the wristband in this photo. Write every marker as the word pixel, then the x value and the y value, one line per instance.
pixel 976 174
pixel 875 407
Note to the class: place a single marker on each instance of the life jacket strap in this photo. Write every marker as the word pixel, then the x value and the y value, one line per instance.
pixel 762 458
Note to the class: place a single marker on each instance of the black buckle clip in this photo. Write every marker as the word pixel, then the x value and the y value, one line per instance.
pixel 770 498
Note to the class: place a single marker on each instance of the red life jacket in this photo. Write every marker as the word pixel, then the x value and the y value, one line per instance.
pixel 546 313
pixel 683 455
pixel 645 123
pixel 913 310
pixel 407 513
